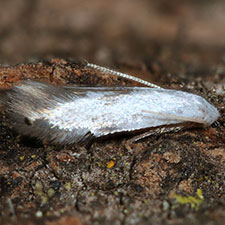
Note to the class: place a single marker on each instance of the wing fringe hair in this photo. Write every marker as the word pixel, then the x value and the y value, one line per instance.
pixel 25 104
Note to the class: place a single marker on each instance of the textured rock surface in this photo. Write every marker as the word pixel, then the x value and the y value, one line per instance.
pixel 154 181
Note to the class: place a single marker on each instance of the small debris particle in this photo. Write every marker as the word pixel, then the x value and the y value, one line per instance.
pixel 48 213
pixel 51 192
pixel 186 186
pixel 110 164
pixel 125 211
pixel 63 157
pixel 22 158
pixel 217 153
pixel 67 186
pixel 38 186
pixel 165 205
pixel 171 157
pixel 39 214
pixel 11 208
pixel 38 190
pixel 199 194
pixel 55 184
pixel 100 164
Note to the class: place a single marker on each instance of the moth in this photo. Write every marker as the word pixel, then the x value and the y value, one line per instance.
pixel 71 114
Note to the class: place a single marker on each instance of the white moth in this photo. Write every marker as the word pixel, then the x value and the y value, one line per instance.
pixel 73 114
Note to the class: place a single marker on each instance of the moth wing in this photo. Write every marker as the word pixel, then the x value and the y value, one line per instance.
pixel 25 103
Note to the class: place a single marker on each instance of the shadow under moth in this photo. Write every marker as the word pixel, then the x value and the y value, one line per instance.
pixel 71 114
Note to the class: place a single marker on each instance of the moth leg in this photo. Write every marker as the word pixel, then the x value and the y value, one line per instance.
pixel 89 142
pixel 161 130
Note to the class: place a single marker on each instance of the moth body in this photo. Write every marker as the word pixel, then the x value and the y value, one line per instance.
pixel 72 114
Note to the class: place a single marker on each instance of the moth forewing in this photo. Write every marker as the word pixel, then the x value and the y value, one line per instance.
pixel 73 114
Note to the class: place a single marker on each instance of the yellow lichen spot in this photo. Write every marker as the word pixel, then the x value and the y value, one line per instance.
pixel 67 186
pixel 51 192
pixel 145 201
pixel 38 191
pixel 22 158
pixel 33 156
pixel 48 213
pixel 100 164
pixel 199 194
pixel 110 164
pixel 194 202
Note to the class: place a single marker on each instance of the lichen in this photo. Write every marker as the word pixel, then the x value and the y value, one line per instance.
pixel 194 202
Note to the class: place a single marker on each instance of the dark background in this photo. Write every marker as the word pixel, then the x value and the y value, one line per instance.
pixel 108 31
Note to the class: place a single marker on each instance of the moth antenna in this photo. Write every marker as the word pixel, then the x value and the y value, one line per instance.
pixel 124 75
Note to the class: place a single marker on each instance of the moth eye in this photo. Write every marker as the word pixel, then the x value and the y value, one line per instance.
pixel 27 121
